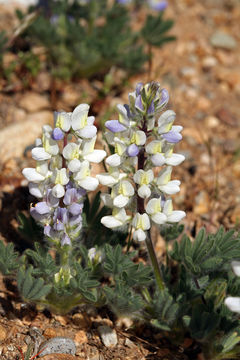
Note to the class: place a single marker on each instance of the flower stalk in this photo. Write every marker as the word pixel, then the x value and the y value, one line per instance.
pixel 143 141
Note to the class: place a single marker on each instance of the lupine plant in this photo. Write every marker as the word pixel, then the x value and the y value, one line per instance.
pixel 86 253
pixel 87 38
pixel 142 143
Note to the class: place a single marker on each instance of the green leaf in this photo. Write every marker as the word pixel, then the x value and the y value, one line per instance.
pixel 8 259
pixel 29 287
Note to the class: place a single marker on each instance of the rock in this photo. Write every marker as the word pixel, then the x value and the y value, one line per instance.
pixel 188 72
pixel 212 122
pixel 22 134
pixel 130 344
pixel 81 337
pixel 231 77
pixel 82 320
pixel 108 336
pixel 3 333
pixel 222 40
pixel 203 103
pixel 96 356
pixel 58 345
pixel 32 102
pixel 209 62
pixel 50 332
pixel 58 357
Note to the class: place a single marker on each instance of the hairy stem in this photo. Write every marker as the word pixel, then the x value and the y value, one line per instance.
pixel 154 261
pixel 141 210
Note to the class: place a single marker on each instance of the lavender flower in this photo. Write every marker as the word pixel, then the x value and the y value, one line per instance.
pixel 62 174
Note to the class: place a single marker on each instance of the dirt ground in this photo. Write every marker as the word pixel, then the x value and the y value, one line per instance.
pixel 203 80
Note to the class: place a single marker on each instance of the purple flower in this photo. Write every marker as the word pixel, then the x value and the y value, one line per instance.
pixel 139 104
pixel 158 5
pixel 60 218
pixel 75 220
pixel 75 208
pixel 172 137
pixel 132 150
pixel 51 200
pixel 65 240
pixel 57 134
pixel 139 87
pixel 37 216
pixel 151 109
pixel 124 1
pixel 164 97
pixel 114 126
pixel 42 208
pixel 73 195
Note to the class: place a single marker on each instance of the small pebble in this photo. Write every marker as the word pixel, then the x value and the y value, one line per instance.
pixel 58 345
pixel 223 40
pixel 108 336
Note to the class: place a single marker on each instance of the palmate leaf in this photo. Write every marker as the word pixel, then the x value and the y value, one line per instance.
pixel 82 282
pixel 116 262
pixel 171 232
pixel 138 275
pixel 155 28
pixel 8 259
pixel 165 310
pixel 122 300
pixel 203 322
pixel 30 288
pixel 44 265
pixel 207 253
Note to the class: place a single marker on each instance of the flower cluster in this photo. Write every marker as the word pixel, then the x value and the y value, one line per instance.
pixel 143 141
pixel 233 303
pixel 62 174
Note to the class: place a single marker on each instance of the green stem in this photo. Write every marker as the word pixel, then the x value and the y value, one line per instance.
pixel 154 261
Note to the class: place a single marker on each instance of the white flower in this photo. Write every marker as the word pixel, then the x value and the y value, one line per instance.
pixel 49 145
pixel 165 121
pixel 60 178
pixel 154 148
pixel 62 120
pixel 90 154
pixel 236 267
pixel 123 115
pixel 39 154
pixel 233 303
pixel 144 178
pixel 111 178
pixel 164 184
pixel 83 178
pixel 154 210
pixel 82 124
pixel 118 218
pixel 138 137
pixel 79 116
pixel 113 160
pixel 121 193
pixel 172 216
pixel 173 159
pixel 141 223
